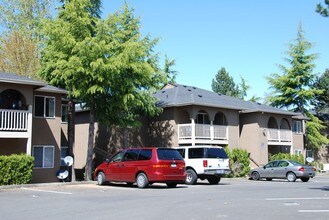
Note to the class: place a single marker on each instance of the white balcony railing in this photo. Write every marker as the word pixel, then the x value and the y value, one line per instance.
pixel 279 135
pixel 202 132
pixel 13 120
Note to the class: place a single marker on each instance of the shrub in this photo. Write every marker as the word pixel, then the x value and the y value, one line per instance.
pixel 16 169
pixel 239 162
pixel 284 156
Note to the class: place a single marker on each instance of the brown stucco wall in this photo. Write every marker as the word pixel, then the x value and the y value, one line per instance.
pixel 47 131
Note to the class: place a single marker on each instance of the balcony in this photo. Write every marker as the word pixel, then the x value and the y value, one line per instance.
pixel 279 136
pixel 202 134
pixel 15 123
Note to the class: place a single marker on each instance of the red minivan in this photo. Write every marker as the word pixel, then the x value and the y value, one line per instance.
pixel 143 166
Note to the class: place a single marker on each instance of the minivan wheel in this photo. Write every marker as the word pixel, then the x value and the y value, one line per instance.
pixel 213 180
pixel 142 180
pixel 100 178
pixel 191 177
pixel 291 177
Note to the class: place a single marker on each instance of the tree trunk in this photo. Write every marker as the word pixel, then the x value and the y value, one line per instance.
pixel 70 134
pixel 90 151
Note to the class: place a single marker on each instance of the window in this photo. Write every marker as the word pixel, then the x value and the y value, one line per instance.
pixel 196 153
pixel 43 156
pixel 64 153
pixel 168 154
pixel 65 113
pixel 44 106
pixel 309 153
pixel 131 155
pixel 145 154
pixel 297 127
pixel 297 152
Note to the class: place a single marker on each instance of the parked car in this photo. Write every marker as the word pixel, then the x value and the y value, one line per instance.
pixel 283 169
pixel 204 162
pixel 143 166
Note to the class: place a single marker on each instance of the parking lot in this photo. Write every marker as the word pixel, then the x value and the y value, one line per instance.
pixel 230 199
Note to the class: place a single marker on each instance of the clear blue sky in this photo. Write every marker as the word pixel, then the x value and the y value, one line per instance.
pixel 248 38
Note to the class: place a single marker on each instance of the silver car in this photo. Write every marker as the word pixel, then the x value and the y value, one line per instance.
pixel 283 169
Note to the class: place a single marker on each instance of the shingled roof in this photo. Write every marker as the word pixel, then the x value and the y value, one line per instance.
pixel 178 95
pixel 39 85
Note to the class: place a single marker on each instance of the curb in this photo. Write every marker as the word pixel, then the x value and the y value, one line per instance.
pixel 35 185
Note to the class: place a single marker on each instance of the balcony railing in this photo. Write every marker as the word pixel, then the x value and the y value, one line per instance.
pixel 13 120
pixel 202 132
pixel 279 135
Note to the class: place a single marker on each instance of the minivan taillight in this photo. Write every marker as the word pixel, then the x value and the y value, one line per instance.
pixel 205 163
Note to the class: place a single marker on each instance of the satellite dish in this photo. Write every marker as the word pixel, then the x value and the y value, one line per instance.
pixel 309 159
pixel 68 160
pixel 62 174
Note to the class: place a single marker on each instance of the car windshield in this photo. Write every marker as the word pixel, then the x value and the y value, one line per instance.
pixel 168 154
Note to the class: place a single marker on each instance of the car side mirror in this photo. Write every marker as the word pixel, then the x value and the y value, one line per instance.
pixel 107 160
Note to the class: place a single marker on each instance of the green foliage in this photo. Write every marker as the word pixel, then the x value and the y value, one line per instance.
pixel 292 89
pixel 101 62
pixel 323 10
pixel 283 156
pixel 16 169
pixel 169 72
pixel 321 101
pixel 224 84
pixel 239 162
pixel 314 139
pixel 295 89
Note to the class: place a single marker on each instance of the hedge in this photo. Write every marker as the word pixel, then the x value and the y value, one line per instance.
pixel 239 162
pixel 16 169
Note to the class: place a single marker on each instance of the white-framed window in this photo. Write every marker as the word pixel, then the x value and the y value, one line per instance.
pixel 309 153
pixel 297 152
pixel 65 113
pixel 44 106
pixel 64 153
pixel 297 127
pixel 43 156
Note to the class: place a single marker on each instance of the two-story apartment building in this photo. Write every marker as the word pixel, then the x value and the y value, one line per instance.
pixel 31 122
pixel 194 116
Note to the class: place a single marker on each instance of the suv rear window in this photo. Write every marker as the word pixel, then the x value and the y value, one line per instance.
pixel 195 153
pixel 168 154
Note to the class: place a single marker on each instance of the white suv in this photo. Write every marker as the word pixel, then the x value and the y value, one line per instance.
pixel 204 162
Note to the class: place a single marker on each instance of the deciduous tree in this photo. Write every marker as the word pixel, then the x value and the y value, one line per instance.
pixel 106 64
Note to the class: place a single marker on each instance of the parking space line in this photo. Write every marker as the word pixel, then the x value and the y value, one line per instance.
pixel 307 198
pixel 313 211
pixel 47 191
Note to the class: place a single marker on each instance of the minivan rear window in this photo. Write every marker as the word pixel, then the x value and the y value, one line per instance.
pixel 168 154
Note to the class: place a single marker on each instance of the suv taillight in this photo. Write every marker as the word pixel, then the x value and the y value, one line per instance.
pixel 205 163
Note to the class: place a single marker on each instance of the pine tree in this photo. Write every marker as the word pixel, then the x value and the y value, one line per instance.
pixel 293 89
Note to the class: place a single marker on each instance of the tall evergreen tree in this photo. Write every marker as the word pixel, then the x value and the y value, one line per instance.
pixel 293 89
pixel 224 84
pixel 168 71
pixel 321 101
pixel 105 64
